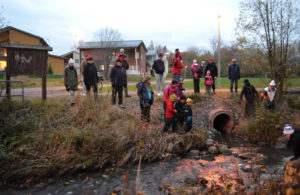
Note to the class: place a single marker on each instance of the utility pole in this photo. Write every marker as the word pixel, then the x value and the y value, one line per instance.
pixel 219 55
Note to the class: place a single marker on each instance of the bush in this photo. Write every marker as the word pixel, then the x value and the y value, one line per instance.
pixel 49 71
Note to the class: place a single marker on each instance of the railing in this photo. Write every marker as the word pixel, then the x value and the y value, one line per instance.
pixel 5 83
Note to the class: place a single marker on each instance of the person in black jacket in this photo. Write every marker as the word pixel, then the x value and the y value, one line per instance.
pixel 294 139
pixel 180 107
pixel 145 94
pixel 125 66
pixel 159 68
pixel 213 71
pixel 188 115
pixel 234 75
pixel 251 94
pixel 117 82
pixel 90 76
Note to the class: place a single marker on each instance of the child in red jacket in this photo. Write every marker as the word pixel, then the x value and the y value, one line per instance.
pixel 170 114
pixel 208 82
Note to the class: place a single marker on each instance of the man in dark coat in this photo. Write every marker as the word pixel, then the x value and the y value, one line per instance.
pixel 117 82
pixel 213 71
pixel 234 75
pixel 159 68
pixel 90 76
pixel 125 66
pixel 251 94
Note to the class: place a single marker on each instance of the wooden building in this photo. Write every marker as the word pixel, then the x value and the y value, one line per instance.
pixel 57 63
pixel 136 51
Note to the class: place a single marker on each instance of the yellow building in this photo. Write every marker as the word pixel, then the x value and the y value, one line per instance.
pixel 10 34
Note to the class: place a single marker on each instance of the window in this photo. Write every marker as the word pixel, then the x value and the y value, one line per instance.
pixel 3 52
pixel 2 65
pixel 83 54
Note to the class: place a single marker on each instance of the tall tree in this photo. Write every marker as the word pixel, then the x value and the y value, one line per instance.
pixel 108 39
pixel 270 26
pixel 151 46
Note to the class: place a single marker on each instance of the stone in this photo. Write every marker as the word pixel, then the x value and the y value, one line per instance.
pixel 190 179
pixel 194 152
pixel 246 168
pixel 203 153
pixel 213 150
pixel 170 148
pixel 222 148
pixel 281 143
pixel 292 172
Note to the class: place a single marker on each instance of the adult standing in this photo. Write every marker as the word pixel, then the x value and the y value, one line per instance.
pixel 125 66
pixel 268 95
pixel 117 82
pixel 82 65
pixel 197 71
pixel 91 77
pixel 159 68
pixel 177 65
pixel 234 75
pixel 212 67
pixel 250 94
pixel 71 80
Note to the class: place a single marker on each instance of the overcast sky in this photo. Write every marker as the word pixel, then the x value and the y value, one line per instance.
pixel 176 23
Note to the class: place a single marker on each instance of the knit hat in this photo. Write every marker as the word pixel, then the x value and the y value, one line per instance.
pixel 160 55
pixel 177 49
pixel 121 50
pixel 208 72
pixel 173 97
pixel 211 59
pixel 71 61
pixel 118 60
pixel 194 61
pixel 87 55
pixel 189 100
pixel 272 83
pixel 288 130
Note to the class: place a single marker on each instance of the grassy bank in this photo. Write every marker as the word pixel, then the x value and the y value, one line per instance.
pixel 42 140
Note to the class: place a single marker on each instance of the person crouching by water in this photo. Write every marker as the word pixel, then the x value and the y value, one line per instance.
pixel 170 114
pixel 294 139
pixel 91 77
pixel 268 96
pixel 208 82
pixel 71 80
pixel 146 96
pixel 117 82
pixel 188 115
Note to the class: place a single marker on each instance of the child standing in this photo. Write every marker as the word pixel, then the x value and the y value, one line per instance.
pixel 145 93
pixel 208 82
pixel 188 115
pixel 170 114
pixel 180 107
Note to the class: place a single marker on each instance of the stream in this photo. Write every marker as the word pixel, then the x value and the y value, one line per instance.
pixel 175 171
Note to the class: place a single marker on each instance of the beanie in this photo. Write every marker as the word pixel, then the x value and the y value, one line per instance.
pixel 173 97
pixel 288 130
pixel 87 55
pixel 118 60
pixel 89 58
pixel 182 97
pixel 211 59
pixel 71 61
pixel 189 100
pixel 272 83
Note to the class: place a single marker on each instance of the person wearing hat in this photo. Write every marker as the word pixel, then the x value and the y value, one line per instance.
pixel 234 75
pixel 168 91
pixel 170 114
pixel 82 65
pixel 145 94
pixel 188 115
pixel 121 54
pixel 117 82
pixel 125 66
pixel 177 65
pixel 159 68
pixel 251 95
pixel 179 107
pixel 71 80
pixel 268 96
pixel 91 77
pixel 197 72
pixel 293 135
pixel 211 66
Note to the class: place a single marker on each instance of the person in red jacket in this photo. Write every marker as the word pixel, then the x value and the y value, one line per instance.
pixel 121 55
pixel 170 114
pixel 169 90
pixel 177 65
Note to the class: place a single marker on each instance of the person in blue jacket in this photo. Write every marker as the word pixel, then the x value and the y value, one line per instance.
pixel 146 96
pixel 234 75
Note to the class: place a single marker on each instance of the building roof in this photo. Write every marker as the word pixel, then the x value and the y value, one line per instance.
pixel 113 44
pixel 69 53
pixel 55 56
pixel 43 42
pixel 22 46
pixel 151 53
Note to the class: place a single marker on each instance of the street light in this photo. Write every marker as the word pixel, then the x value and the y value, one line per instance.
pixel 219 55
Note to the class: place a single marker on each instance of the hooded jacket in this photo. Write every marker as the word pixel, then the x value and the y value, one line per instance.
pixel 159 67
pixel 90 74
pixel 170 110
pixel 143 94
pixel 117 76
pixel 169 90
pixel 234 71
pixel 70 78
pixel 177 64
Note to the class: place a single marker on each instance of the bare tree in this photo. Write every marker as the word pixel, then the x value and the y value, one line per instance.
pixel 270 26
pixel 3 20
pixel 108 39
pixel 151 46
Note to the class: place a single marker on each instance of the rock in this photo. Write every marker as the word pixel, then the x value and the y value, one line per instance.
pixel 190 179
pixel 222 148
pixel 203 153
pixel 246 168
pixel 117 190
pixel 213 150
pixel 292 172
pixel 194 152
pixel 170 148
pixel 210 142
pixel 281 143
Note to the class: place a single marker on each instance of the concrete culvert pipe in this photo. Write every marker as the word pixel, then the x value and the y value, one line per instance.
pixel 221 120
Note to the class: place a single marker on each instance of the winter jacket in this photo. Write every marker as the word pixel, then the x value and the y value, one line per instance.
pixel 120 56
pixel 188 113
pixel 208 80
pixel 213 69
pixel 143 93
pixel 159 67
pixel 169 90
pixel 234 71
pixel 268 96
pixel 197 70
pixel 125 66
pixel 177 63
pixel 70 78
pixel 82 65
pixel 117 76
pixel 90 74
pixel 250 93
pixel 170 110
pixel 179 107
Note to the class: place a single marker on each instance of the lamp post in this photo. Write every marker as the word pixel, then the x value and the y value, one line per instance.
pixel 76 39
pixel 219 55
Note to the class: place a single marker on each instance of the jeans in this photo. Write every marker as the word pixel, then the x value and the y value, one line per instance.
pixel 83 85
pixel 196 86
pixel 235 81
pixel 117 90
pixel 160 82
pixel 176 77
pixel 145 113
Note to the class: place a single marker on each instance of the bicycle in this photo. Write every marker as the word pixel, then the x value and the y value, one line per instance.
pixel 100 84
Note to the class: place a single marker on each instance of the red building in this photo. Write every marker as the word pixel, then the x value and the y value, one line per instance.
pixel 136 51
